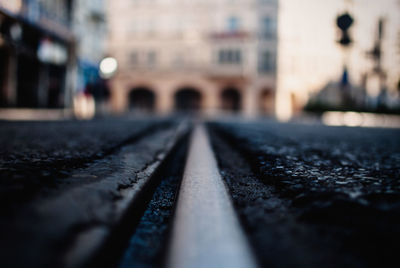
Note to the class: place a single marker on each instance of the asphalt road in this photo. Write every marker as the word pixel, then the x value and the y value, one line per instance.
pixel 314 196
pixel 34 156
pixel 104 192
pixel 68 209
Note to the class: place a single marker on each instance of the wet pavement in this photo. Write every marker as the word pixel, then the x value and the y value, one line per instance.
pixel 103 192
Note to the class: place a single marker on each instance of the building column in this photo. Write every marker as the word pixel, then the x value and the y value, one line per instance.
pixel 211 102
pixel 164 99
pixel 250 101
pixel 119 97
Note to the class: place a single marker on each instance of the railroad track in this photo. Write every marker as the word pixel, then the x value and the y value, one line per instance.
pixel 174 194
pixel 206 232
pixel 96 219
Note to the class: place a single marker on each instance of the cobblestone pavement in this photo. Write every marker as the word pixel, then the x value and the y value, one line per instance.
pixel 103 192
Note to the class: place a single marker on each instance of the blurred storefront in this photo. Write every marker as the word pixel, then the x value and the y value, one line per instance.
pixel 36 53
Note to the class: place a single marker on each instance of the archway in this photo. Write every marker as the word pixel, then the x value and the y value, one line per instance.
pixel 141 99
pixel 230 99
pixel 266 101
pixel 187 99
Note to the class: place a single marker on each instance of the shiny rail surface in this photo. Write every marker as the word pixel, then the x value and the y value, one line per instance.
pixel 206 232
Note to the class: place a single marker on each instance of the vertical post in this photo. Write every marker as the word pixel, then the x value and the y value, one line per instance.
pixel 70 76
pixel 43 86
pixel 11 79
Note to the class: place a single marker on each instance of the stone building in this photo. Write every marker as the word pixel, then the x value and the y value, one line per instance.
pixel 193 55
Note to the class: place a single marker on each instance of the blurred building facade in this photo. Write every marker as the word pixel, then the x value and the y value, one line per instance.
pixel 204 55
pixel 36 53
pixel 49 51
pixel 90 29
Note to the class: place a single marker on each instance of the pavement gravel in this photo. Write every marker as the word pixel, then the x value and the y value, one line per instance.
pixel 330 188
pixel 306 195
pixel 36 156
pixel 68 221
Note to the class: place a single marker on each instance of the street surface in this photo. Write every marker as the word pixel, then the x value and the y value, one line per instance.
pixel 108 193
pixel 313 195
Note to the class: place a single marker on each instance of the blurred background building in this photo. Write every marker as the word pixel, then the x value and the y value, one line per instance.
pixel 90 29
pixel 50 51
pixel 181 55
pixel 252 57
pixel 36 53
pixel 311 59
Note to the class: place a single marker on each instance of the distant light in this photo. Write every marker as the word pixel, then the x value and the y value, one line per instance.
pixel 349 119
pixel 84 106
pixel 108 66
pixel 16 32
pixel 14 6
pixel 352 119
pixel 52 52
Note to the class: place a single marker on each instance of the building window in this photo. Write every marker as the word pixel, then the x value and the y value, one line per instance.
pixel 221 56
pixel 266 62
pixel 267 28
pixel 233 24
pixel 237 56
pixel 178 60
pixel 151 58
pixel 229 56
pixel 134 58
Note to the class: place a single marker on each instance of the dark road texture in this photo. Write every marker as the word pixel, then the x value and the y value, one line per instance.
pixel 148 246
pixel 71 191
pixel 35 155
pixel 313 196
pixel 103 193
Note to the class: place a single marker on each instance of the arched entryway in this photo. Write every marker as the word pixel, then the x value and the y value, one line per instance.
pixel 188 100
pixel 266 101
pixel 141 99
pixel 231 99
